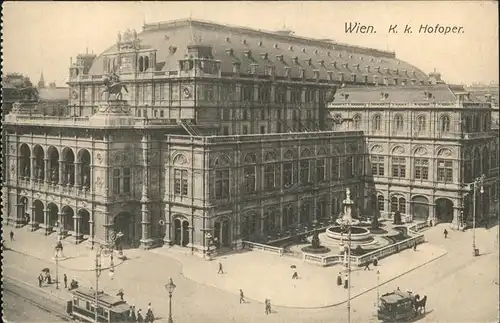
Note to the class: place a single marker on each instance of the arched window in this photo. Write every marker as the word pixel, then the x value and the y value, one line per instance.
pixel 477 163
pixel 380 202
pixel 398 204
pixel 398 123
pixel 146 63
pixel 141 64
pixel 357 121
pixel 250 173
pixel 485 160
pixel 421 124
pixel 477 123
pixel 377 123
pixel 445 124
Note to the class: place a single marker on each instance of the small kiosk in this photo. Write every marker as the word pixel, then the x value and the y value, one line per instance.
pixel 109 308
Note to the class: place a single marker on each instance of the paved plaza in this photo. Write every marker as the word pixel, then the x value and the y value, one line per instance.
pixel 204 295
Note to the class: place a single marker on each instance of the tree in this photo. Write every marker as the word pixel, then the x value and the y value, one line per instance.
pixel 397 217
pixel 375 223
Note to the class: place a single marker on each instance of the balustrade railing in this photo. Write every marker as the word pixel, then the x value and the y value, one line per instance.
pixel 262 247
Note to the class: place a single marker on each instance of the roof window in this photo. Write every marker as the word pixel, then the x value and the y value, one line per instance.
pixel 316 52
pixel 328 53
pixel 290 48
pixel 229 51
pixel 279 58
pixel 260 43
pixel 244 41
pixel 227 40
pixel 275 46
pixel 263 56
pixel 303 50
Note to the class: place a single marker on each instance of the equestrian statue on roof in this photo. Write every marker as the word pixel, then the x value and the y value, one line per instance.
pixel 114 86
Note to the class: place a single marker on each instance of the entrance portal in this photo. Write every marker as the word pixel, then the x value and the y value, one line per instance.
pixel 124 223
pixel 420 208
pixel 181 232
pixel 444 210
pixel 222 232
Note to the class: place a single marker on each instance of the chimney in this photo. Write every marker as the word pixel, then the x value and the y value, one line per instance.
pixel 236 68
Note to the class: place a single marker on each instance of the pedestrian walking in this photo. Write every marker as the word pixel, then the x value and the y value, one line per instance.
pixel 346 281
pixel 65 278
pixel 221 271
pixel 139 316
pixel 40 280
pixel 268 306
pixel 445 233
pixel 11 234
pixel 367 266
pixel 242 297
pixel 339 279
pixel 375 262
pixel 295 275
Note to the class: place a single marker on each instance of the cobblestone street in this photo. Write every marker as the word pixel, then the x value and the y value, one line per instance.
pixel 142 277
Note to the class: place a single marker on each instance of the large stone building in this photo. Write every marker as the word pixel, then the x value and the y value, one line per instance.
pixel 426 144
pixel 221 130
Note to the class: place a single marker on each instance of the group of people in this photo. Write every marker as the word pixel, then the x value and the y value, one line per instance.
pixel 267 302
pixel 346 280
pixel 138 317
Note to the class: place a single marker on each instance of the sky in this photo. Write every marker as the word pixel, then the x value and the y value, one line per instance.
pixel 42 36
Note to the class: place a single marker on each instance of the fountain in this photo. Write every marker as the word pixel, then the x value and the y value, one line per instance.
pixel 337 234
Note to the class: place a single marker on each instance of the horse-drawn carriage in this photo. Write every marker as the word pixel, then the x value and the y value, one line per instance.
pixel 400 306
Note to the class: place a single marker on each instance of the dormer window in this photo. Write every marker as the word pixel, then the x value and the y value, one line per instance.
pixel 328 54
pixel 279 58
pixel 361 58
pixel 353 78
pixel 253 69
pixel 263 56
pixel 395 81
pixel 227 40
pixel 303 73
pixel 413 72
pixel 229 51
pixel 244 41
pixel 330 75
pixel 378 69
pixel 247 53
pixel 334 64
pixel 321 63
pixel 396 71
pixel 316 52
pixel 340 55
pixel 260 43
pixel 367 69
pixel 290 48
pixel 236 67
pixel 287 71
pixel 308 61
pixel 365 78
pixel 275 46
pixel 345 65
pixel 386 70
pixel 350 56
pixel 316 74
pixel 303 50
pixel 341 77
pixel 295 59
pixel 356 66
pixel 172 50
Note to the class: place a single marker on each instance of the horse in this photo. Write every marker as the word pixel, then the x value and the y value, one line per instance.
pixel 420 304
pixel 114 88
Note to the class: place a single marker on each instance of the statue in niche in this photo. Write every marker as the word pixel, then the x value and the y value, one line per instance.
pixel 69 179
pixel 26 171
pixel 85 181
pixel 40 173
pixel 54 176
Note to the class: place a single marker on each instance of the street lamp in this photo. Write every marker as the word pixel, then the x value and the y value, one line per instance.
pixel 477 181
pixel 170 289
pixel 106 250
pixel 378 284
pixel 346 224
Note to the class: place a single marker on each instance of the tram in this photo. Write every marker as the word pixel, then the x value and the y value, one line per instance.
pixel 396 306
pixel 110 309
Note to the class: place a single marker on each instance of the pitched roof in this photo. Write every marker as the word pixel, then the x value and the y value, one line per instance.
pixel 400 94
pixel 248 46
pixel 53 94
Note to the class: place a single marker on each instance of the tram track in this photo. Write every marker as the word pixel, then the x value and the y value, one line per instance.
pixel 10 286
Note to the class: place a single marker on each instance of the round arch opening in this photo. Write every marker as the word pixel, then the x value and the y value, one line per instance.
pixel 444 210
pixel 124 222
pixel 420 208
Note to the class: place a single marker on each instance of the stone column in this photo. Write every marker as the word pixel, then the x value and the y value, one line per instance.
pixel 48 227
pixel 32 168
pixel 146 241
pixel 76 223
pixel 60 229
pixel 46 170
pixel 33 224
pixel 167 239
pixel 61 172
pixel 78 179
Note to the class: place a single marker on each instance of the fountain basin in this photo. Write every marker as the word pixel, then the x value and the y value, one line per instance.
pixel 358 234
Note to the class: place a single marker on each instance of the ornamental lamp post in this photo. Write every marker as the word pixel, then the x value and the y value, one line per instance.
pixel 170 287
pixel 477 181
pixel 106 250
pixel 378 285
